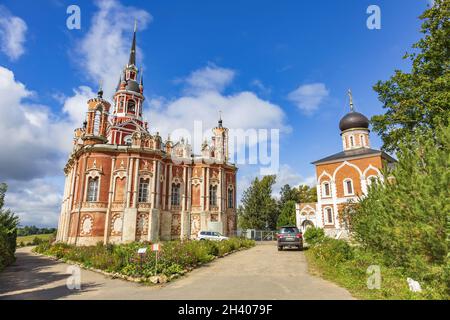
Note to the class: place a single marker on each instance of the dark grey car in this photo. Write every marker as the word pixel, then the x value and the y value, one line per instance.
pixel 289 237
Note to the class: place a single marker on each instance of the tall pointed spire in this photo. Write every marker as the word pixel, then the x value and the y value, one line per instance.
pixel 132 61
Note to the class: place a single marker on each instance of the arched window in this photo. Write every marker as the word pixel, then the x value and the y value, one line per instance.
pixel 363 142
pixel 131 106
pixel 348 187
pixel 213 195
pixel 92 192
pixel 230 198
pixel 329 215
pixel 326 189
pixel 352 141
pixel 97 116
pixel 143 190
pixel 175 197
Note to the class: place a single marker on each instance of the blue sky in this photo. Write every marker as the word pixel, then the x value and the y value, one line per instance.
pixel 268 64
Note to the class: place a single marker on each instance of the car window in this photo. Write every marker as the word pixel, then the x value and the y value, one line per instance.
pixel 289 230
pixel 209 233
pixel 215 234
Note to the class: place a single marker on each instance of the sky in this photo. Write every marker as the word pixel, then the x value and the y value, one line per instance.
pixel 284 65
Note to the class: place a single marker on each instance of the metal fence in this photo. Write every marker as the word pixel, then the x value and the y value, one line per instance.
pixel 257 235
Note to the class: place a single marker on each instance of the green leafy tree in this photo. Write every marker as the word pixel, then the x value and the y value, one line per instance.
pixel 306 194
pixel 287 215
pixel 419 99
pixel 405 219
pixel 8 231
pixel 259 209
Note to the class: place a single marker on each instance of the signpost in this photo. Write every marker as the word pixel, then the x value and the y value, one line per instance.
pixel 156 247
pixel 141 253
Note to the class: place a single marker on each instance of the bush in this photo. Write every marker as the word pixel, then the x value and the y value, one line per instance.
pixel 333 251
pixel 8 232
pixel 174 257
pixel 406 218
pixel 314 235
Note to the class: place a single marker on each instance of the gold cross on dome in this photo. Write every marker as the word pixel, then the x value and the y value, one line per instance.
pixel 351 99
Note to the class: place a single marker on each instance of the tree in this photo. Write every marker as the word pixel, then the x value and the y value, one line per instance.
pixel 405 219
pixel 287 215
pixel 306 194
pixel 8 231
pixel 418 100
pixel 259 210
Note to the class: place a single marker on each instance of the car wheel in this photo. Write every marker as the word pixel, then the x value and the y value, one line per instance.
pixel 280 248
pixel 300 248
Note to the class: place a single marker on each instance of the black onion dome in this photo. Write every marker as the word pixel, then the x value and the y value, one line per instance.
pixel 353 120
pixel 133 86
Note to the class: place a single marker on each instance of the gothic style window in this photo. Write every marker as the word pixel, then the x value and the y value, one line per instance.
pixel 326 189
pixel 230 198
pixel 131 106
pixel 175 198
pixel 92 192
pixel 329 215
pixel 97 116
pixel 348 187
pixel 143 190
pixel 213 195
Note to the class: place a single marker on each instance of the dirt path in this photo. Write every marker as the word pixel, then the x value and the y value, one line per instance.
pixel 259 273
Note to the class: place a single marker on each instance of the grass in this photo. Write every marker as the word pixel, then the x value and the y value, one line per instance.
pixel 28 240
pixel 350 271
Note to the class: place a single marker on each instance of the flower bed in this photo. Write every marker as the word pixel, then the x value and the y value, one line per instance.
pixel 175 257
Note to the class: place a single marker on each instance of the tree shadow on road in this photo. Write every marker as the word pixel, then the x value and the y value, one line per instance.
pixel 50 293
pixel 27 273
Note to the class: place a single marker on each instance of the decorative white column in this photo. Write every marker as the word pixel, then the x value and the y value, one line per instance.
pixel 169 201
pixel 110 200
pixel 136 183
pixel 335 206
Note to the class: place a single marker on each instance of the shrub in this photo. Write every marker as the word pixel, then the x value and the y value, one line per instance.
pixel 174 257
pixel 8 232
pixel 333 251
pixel 314 235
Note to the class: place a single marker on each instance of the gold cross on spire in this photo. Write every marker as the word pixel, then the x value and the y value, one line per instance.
pixel 351 99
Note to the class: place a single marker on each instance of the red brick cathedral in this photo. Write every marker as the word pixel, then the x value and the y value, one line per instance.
pixel 124 184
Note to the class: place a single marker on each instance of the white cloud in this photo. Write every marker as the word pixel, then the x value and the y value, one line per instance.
pixel 210 78
pixel 36 202
pixel 308 97
pixel 263 89
pixel 105 49
pixel 31 136
pixel 12 34
pixel 287 175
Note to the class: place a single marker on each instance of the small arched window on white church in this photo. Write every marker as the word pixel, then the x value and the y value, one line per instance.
pixel 329 215
pixel 348 187
pixel 363 142
pixel 352 141
pixel 326 191
pixel 92 190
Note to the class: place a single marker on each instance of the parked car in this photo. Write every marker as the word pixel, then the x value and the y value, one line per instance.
pixel 289 237
pixel 211 235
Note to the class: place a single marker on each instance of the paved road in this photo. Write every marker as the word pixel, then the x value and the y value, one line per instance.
pixel 258 273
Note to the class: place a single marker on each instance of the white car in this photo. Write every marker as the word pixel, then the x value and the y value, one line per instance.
pixel 211 235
